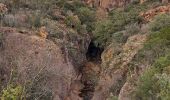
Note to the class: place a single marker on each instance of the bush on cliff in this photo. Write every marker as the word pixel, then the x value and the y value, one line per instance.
pixel 103 32
pixel 87 17
pixel 12 93
pixel 155 83
pixel 161 21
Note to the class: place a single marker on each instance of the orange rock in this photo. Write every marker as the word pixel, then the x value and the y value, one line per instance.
pixel 3 8
pixel 42 32
pixel 150 14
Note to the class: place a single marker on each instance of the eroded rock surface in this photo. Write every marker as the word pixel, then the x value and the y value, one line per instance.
pixel 37 59
pixel 114 69
pixel 150 14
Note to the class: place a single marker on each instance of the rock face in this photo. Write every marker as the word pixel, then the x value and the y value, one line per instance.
pixel 37 59
pixel 150 14
pixel 3 8
pixel 114 68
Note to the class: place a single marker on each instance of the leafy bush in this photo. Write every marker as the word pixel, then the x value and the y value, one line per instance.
pixel 103 31
pixel 87 17
pixel 85 14
pixel 11 21
pixel 129 15
pixel 150 85
pixel 12 93
pixel 132 29
pixel 164 84
pixel 73 22
pixel 73 5
pixel 119 37
pixel 157 45
pixel 154 84
pixel 119 19
pixel 106 31
pixel 34 19
pixel 161 21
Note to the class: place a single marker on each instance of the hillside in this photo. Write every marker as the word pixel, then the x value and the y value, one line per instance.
pixel 84 49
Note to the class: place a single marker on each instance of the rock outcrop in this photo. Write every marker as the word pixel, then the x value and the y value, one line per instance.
pixel 114 64
pixel 37 59
pixel 3 8
pixel 150 14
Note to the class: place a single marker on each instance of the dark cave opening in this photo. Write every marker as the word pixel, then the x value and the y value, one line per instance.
pixel 93 56
pixel 94 52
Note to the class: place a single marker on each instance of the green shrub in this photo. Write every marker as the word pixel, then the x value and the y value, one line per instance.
pixel 87 17
pixel 156 53
pixel 11 21
pixel 103 32
pixel 145 85
pixel 34 20
pixel 164 84
pixel 85 14
pixel 154 84
pixel 119 19
pixel 106 31
pixel 70 5
pixel 129 15
pixel 119 37
pixel 161 21
pixel 73 22
pixel 132 29
pixel 157 45
pixel 12 93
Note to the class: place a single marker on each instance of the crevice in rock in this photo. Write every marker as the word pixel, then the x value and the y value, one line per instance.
pixel 90 71
pixel 94 52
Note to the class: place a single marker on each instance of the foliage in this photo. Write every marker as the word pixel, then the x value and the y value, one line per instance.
pixel 119 19
pixel 154 84
pixel 119 37
pixel 35 19
pixel 12 93
pixel 103 31
pixel 73 21
pixel 164 83
pixel 157 45
pixel 161 21
pixel 132 29
pixel 159 41
pixel 129 15
pixel 113 98
pixel 87 17
pixel 106 31
pixel 85 14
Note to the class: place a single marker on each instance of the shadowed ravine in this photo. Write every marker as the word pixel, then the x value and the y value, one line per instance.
pixel 90 71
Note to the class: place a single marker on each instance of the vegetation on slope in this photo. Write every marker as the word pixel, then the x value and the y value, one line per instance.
pixel 79 18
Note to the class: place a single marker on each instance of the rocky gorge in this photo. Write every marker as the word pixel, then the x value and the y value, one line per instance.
pixel 84 49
